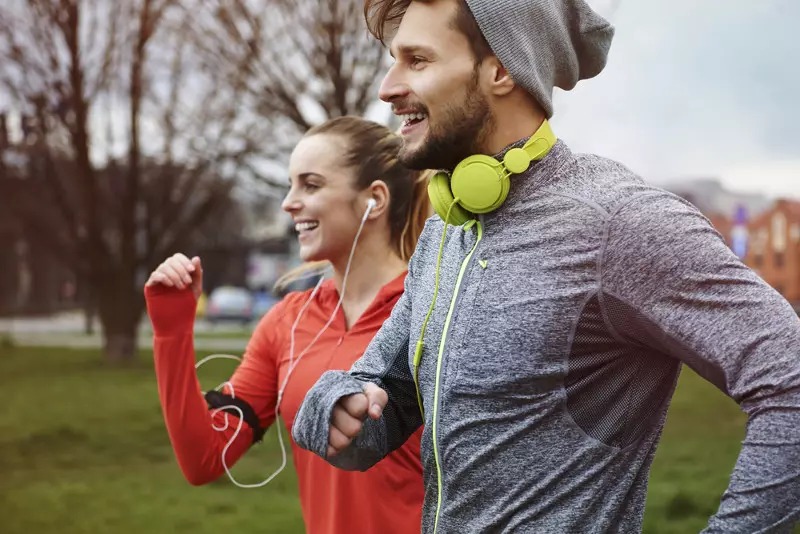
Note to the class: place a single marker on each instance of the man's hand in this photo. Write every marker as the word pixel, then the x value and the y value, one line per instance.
pixel 349 415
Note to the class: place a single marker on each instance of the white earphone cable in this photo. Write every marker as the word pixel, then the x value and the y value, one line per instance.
pixel 292 366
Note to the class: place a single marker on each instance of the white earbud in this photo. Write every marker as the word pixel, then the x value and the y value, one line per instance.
pixel 370 206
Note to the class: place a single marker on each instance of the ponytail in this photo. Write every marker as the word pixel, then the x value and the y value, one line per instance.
pixel 310 269
pixel 419 211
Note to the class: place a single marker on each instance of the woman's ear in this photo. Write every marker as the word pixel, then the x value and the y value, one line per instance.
pixel 377 192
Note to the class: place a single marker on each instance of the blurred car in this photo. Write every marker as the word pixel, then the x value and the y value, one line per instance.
pixel 229 303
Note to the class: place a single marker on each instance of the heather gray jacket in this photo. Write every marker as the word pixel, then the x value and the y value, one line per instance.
pixel 553 352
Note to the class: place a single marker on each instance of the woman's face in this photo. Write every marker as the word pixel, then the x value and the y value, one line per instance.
pixel 322 200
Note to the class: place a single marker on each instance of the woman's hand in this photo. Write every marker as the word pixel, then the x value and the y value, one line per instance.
pixel 180 272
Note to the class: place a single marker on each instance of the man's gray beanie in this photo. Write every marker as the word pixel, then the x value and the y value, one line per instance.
pixel 545 43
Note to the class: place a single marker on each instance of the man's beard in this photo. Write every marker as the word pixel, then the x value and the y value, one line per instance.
pixel 460 133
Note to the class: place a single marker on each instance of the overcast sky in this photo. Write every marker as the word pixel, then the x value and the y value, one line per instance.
pixel 696 88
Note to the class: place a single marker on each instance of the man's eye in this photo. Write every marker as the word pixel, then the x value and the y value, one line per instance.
pixel 417 61
pixel 308 186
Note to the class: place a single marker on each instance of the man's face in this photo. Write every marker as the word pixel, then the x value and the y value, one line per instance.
pixel 435 87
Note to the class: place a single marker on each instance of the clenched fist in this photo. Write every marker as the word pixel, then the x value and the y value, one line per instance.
pixel 349 414
pixel 179 271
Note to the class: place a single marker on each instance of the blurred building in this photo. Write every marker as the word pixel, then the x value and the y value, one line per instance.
pixel 763 232
pixel 716 201
pixel 774 248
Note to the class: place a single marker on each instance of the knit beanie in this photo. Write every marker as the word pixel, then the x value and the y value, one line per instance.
pixel 545 43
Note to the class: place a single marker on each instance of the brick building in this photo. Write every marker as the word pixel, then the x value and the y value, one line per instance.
pixel 774 248
pixel 723 224
pixel 773 245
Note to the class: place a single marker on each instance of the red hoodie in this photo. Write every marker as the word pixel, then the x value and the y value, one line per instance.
pixel 386 499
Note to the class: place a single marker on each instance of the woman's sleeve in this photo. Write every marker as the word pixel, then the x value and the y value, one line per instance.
pixel 197 445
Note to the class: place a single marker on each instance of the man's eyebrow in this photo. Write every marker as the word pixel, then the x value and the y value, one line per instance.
pixel 410 50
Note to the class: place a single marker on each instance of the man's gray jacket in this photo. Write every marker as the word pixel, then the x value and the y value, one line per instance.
pixel 552 354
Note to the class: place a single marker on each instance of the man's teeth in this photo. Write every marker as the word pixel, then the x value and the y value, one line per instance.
pixel 412 116
pixel 305 226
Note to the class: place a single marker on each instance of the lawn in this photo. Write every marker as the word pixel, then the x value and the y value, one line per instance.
pixel 243 334
pixel 83 449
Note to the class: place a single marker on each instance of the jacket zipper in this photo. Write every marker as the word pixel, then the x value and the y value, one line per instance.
pixel 464 266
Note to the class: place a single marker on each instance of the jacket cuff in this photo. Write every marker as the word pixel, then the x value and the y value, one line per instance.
pixel 171 311
pixel 311 426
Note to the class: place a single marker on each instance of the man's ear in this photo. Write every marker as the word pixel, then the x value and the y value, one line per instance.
pixel 500 80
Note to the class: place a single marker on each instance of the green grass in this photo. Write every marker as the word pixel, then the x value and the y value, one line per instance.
pixel 83 449
pixel 244 334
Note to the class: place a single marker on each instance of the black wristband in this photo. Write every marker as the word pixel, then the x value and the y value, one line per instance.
pixel 215 399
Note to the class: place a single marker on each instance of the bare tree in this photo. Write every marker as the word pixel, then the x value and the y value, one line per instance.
pixel 301 62
pixel 140 114
pixel 135 141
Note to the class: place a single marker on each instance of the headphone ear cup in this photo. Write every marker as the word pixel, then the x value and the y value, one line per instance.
pixel 480 183
pixel 505 183
pixel 441 198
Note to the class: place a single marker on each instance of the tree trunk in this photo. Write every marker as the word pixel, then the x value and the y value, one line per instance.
pixel 87 302
pixel 120 333
pixel 120 310
pixel 119 347
pixel 88 317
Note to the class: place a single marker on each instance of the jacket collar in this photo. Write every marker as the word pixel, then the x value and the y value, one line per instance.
pixel 328 296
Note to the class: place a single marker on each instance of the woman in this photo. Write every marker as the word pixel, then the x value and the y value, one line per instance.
pixel 356 208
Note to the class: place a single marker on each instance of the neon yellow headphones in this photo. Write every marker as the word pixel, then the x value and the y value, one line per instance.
pixel 480 183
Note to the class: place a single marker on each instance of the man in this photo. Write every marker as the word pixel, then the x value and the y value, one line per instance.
pixel 561 316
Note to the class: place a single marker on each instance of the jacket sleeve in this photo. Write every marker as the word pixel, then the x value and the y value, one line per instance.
pixel 667 277
pixel 385 363
pixel 198 447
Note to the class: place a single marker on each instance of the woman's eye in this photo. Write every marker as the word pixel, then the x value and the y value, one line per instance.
pixel 308 186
